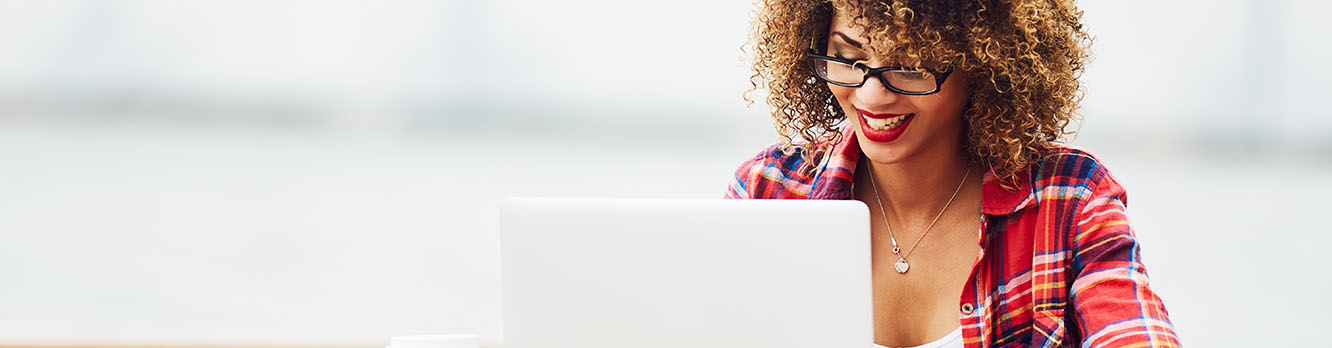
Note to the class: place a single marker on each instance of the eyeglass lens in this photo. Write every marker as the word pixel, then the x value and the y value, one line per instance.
pixel 906 80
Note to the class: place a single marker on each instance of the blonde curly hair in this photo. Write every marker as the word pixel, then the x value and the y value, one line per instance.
pixel 1023 59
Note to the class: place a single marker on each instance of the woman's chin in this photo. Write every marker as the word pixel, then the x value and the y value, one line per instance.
pixel 881 153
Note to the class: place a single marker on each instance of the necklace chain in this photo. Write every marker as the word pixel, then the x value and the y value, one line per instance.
pixel 902 266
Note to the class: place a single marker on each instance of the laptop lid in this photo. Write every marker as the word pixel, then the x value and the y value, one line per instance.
pixel 616 273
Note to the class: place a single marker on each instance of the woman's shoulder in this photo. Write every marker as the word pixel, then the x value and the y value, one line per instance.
pixel 1072 167
pixel 780 170
pixel 1065 162
pixel 790 157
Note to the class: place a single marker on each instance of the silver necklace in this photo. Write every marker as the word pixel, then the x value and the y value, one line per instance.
pixel 902 266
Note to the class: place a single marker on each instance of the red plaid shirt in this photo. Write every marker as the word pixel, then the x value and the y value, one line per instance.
pixel 1058 264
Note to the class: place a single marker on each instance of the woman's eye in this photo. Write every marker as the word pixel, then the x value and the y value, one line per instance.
pixel 915 75
pixel 844 58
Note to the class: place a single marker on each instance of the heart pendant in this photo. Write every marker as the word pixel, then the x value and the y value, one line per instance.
pixel 901 266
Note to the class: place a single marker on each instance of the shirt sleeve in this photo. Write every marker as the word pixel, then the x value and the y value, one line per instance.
pixel 1115 307
pixel 746 177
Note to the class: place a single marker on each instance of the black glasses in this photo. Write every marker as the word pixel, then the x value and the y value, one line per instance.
pixel 846 73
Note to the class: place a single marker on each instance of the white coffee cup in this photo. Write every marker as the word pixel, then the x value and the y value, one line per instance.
pixel 435 341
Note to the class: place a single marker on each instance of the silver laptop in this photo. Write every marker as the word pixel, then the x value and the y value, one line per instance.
pixel 627 273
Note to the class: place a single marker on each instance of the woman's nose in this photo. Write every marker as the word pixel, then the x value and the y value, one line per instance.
pixel 874 92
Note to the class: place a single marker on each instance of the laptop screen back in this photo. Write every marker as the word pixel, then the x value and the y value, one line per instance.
pixel 617 273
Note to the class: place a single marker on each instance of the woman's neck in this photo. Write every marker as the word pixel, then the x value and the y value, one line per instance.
pixel 919 188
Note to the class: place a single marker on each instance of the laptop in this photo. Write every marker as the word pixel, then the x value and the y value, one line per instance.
pixel 643 273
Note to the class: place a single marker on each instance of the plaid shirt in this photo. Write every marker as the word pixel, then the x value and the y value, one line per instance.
pixel 1058 263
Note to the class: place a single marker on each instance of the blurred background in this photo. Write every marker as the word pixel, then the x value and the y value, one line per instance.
pixel 303 173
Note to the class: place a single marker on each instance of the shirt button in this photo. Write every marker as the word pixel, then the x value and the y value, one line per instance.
pixel 967 308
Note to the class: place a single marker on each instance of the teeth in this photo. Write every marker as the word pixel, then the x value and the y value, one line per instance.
pixel 886 123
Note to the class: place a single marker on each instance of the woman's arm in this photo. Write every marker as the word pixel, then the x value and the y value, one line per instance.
pixel 745 177
pixel 1112 302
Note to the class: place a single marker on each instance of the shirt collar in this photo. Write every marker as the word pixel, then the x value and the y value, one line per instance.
pixel 999 200
pixel 837 174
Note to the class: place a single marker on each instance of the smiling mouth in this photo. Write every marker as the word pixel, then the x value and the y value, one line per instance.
pixel 887 123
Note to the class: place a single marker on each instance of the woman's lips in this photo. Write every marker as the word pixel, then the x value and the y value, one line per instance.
pixel 874 115
pixel 883 127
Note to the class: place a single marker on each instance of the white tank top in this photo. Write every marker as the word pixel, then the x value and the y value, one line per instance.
pixel 952 340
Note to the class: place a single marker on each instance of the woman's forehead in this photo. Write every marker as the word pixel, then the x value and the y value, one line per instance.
pixel 848 33
pixel 844 23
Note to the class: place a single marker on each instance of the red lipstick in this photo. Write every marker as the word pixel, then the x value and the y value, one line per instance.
pixel 882 136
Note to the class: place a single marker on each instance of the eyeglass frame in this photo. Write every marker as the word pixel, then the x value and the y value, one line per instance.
pixel 939 76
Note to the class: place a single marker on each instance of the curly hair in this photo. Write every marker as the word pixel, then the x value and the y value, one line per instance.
pixel 1023 58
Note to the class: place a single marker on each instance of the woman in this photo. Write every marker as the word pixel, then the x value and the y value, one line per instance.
pixel 943 117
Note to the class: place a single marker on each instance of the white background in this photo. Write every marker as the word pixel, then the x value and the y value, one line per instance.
pixel 329 172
